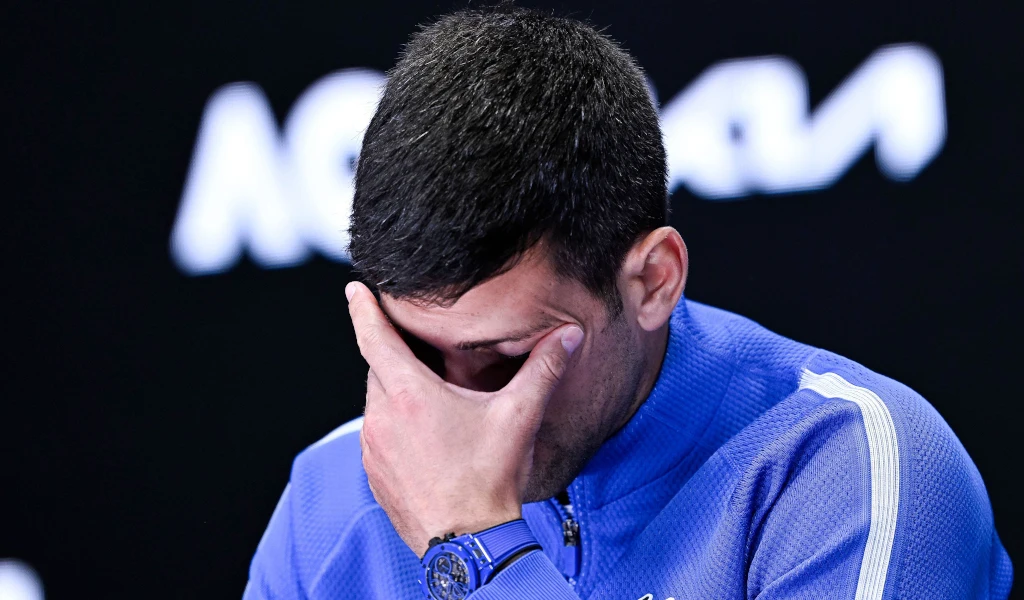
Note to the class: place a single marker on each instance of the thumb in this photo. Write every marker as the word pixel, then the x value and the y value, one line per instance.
pixel 531 388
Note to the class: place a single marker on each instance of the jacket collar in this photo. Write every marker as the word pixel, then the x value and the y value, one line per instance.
pixel 692 383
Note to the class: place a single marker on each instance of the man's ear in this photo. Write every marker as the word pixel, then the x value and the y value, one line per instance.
pixel 653 276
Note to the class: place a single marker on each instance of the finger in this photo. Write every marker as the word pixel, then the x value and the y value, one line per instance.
pixel 531 388
pixel 374 393
pixel 374 408
pixel 379 343
pixel 369 465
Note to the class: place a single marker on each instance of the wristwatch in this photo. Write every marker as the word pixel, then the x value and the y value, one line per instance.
pixel 455 567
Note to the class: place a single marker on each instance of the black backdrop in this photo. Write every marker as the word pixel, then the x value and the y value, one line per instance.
pixel 149 418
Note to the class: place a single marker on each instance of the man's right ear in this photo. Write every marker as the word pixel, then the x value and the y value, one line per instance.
pixel 653 276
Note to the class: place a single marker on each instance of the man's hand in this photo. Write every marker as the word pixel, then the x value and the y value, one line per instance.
pixel 440 458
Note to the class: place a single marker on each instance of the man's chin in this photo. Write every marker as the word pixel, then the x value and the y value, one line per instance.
pixel 546 483
pixel 541 494
pixel 556 465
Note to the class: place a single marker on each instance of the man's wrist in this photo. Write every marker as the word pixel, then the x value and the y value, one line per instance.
pixel 492 520
pixel 471 560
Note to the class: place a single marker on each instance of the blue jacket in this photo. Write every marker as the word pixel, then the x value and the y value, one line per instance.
pixel 758 467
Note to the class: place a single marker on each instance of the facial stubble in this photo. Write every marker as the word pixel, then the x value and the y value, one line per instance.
pixel 563 450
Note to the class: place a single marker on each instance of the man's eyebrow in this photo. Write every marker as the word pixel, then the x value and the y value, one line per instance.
pixel 512 337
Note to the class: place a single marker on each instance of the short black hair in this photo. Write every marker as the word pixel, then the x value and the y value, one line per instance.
pixel 497 129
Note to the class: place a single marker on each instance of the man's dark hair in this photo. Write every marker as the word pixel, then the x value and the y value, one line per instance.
pixel 498 129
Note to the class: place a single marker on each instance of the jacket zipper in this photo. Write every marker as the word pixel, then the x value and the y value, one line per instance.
pixel 571 551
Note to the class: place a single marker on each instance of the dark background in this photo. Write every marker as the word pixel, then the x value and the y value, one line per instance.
pixel 148 418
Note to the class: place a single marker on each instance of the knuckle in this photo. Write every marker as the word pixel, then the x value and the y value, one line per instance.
pixel 375 488
pixel 370 336
pixel 375 332
pixel 366 326
pixel 405 400
pixel 369 435
pixel 370 467
pixel 551 368
pixel 372 479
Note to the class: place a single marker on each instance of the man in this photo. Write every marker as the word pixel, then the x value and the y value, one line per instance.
pixel 547 416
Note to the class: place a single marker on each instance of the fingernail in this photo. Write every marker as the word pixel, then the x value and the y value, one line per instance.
pixel 350 289
pixel 571 338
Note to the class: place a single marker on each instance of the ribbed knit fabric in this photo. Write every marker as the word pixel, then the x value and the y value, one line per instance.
pixel 758 467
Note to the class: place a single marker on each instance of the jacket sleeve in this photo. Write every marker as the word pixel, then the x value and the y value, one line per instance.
pixel 862 510
pixel 532 577
pixel 272 574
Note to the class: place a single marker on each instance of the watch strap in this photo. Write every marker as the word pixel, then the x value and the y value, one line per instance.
pixel 501 542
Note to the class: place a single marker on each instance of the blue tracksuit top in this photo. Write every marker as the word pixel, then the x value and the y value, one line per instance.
pixel 758 467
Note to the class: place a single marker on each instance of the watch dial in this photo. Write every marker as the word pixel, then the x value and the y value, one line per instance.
pixel 449 577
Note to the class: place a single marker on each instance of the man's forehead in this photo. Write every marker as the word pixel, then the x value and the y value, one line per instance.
pixel 526 300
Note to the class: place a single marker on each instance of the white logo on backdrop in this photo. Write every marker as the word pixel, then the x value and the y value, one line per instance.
pixel 19 582
pixel 742 127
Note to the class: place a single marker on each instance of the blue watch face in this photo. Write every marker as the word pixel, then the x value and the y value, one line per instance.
pixel 448 577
